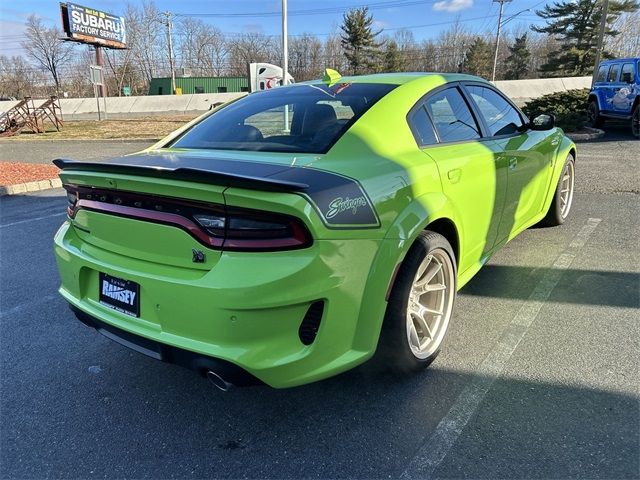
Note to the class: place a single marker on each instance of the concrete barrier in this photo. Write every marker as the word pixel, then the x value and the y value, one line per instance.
pixel 520 91
pixel 131 107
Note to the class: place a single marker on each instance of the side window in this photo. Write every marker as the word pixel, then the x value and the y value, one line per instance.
pixel 501 117
pixel 627 73
pixel 602 73
pixel 452 117
pixel 422 128
pixel 613 73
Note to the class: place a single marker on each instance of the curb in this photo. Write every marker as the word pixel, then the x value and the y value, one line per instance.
pixel 89 140
pixel 30 187
pixel 594 133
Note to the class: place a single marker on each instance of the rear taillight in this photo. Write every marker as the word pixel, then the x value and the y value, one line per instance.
pixel 214 225
pixel 72 199
pixel 257 230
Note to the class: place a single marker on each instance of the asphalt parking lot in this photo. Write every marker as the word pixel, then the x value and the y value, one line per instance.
pixel 539 376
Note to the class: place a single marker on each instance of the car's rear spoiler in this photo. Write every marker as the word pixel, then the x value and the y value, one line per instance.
pixel 226 179
pixel 340 201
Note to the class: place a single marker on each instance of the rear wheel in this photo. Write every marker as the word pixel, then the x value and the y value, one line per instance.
pixel 635 121
pixel 563 196
pixel 420 305
pixel 593 114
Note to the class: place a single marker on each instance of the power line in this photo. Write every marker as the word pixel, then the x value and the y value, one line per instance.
pixel 312 11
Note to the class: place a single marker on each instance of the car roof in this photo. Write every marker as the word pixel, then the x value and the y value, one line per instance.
pixel 619 60
pixel 404 77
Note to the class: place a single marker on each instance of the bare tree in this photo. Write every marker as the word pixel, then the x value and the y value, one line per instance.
pixel 17 78
pixel 202 47
pixel 147 40
pixel 305 56
pixel 333 53
pixel 46 47
pixel 248 48
pixel 627 44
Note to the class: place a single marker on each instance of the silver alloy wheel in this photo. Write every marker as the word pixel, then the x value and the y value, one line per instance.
pixel 566 189
pixel 430 303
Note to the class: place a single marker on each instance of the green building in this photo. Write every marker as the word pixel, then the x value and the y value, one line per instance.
pixel 189 85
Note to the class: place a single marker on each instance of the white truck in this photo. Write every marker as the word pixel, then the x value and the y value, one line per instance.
pixel 263 76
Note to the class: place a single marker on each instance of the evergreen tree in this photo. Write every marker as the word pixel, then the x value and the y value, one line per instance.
pixel 359 41
pixel 576 24
pixel 479 59
pixel 517 62
pixel 393 61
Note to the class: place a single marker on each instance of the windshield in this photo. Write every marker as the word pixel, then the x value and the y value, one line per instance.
pixel 299 118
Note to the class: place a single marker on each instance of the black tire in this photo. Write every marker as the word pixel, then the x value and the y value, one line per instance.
pixel 635 121
pixel 556 216
pixel 394 352
pixel 593 114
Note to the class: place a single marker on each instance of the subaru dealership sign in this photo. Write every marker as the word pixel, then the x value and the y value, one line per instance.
pixel 88 25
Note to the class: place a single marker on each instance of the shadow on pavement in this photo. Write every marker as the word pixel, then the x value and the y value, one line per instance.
pixel 614 131
pixel 586 287
pixel 134 418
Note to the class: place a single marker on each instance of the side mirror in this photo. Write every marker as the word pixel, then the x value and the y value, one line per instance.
pixel 543 122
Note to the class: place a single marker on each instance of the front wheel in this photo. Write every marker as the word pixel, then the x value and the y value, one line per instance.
pixel 593 115
pixel 563 196
pixel 420 305
pixel 635 121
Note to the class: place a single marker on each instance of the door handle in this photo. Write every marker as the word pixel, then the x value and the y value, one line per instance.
pixel 513 163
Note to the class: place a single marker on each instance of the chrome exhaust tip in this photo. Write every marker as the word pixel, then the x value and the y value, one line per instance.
pixel 218 381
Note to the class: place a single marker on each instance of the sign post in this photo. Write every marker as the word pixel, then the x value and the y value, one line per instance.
pixel 97 80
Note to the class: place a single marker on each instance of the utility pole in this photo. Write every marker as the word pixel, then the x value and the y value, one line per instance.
pixel 285 59
pixel 169 24
pixel 603 26
pixel 495 53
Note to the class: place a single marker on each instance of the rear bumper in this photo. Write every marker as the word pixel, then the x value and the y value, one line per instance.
pixel 166 353
pixel 246 311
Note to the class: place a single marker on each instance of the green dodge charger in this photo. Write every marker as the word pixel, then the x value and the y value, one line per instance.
pixel 292 234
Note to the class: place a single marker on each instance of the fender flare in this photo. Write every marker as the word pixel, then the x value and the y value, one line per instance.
pixel 566 146
pixel 400 236
pixel 593 95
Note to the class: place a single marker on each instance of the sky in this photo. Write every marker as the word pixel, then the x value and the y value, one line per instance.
pixel 425 18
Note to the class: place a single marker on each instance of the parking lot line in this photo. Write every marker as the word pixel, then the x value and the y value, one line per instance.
pixel 33 219
pixel 437 445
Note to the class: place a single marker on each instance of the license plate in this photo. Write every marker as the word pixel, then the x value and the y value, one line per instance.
pixel 120 294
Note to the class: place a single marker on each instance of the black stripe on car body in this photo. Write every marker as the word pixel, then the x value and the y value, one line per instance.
pixel 340 201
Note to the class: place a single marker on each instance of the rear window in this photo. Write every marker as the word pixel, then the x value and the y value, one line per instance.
pixel 300 118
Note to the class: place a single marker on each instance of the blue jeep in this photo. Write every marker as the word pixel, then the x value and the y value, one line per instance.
pixel 616 93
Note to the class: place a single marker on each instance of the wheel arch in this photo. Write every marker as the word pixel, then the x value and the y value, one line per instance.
pixel 594 96
pixel 447 228
pixel 431 211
